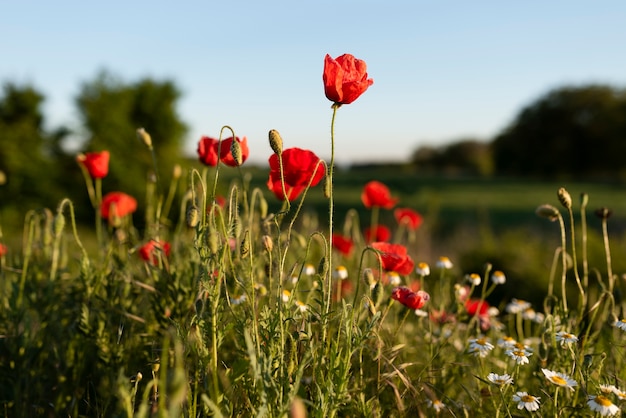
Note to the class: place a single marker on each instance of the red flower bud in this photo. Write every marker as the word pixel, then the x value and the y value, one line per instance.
pixel 96 163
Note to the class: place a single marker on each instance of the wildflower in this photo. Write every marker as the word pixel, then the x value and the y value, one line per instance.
pixel 150 251
pixel 524 400
pixel 381 233
pixel 208 151
pixel 300 168
pixel 507 342
pixel 309 269
pixel 286 295
pixel 444 263
pixel 437 405
pixel 519 355
pixel 238 300
pixel 230 158
pixel 301 306
pixel 408 217
pixel 619 393
pixel 3 250
pixel 602 405
pixel 341 272
pixel 393 278
pixel 498 277
pixel 410 299
pixel 261 289
pixel 500 380
pixel 394 257
pixel 621 324
pixel 480 347
pixel 559 379
pixel 276 142
pixel 548 211
pixel 345 78
pixel 517 306
pixel 479 308
pixel 421 313
pixel 377 194
pixel 474 279
pixel 96 163
pixel 422 269
pixel 343 244
pixel 123 203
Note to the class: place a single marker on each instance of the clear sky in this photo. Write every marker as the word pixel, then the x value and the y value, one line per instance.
pixel 443 70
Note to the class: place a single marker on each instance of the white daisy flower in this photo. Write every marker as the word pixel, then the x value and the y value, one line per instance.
pixel 286 295
pixel 437 405
pixel 619 393
pixel 309 269
pixel 394 279
pixel 565 338
pixel 474 279
pixel 603 405
pixel 621 324
pixel 560 379
pixel 517 306
pixel 520 356
pixel 607 389
pixel 301 305
pixel 421 313
pixel 422 269
pixel 529 314
pixel 340 273
pixel 524 400
pixel 238 300
pixel 498 277
pixel 444 263
pixel 500 379
pixel 506 342
pixel 480 347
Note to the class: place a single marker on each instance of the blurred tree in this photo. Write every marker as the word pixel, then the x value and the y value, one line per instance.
pixel 463 157
pixel 570 131
pixel 27 151
pixel 112 111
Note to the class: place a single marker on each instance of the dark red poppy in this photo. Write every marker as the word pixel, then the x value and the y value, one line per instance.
pixel 394 257
pixel 376 193
pixel 382 233
pixel 343 244
pixel 150 251
pixel 96 163
pixel 409 298
pixel 208 147
pixel 299 168
pixel 3 250
pixel 345 78
pixel 124 204
pixel 477 307
pixel 226 154
pixel 207 151
pixel 405 216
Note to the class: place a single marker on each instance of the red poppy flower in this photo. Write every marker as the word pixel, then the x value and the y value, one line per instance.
pixel 343 244
pixel 382 233
pixel 408 217
pixel 299 168
pixel 394 257
pixel 345 78
pixel 207 151
pixel 124 204
pixel 96 163
pixel 409 298
pixel 477 307
pixel 150 251
pixel 376 193
pixel 3 250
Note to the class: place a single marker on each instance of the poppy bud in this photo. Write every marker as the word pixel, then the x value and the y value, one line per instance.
pixel 263 207
pixel 144 137
pixel 322 267
pixel 244 248
pixel 276 142
pixel 177 171
pixel 59 224
pixel 327 186
pixel 584 199
pixel 603 213
pixel 268 243
pixel 548 211
pixel 564 198
pixel 192 216
pixel 235 151
pixel 213 242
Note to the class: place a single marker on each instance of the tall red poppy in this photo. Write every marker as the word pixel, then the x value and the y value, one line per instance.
pixel 150 251
pixel 299 168
pixel 3 250
pixel 208 150
pixel 376 193
pixel 343 244
pixel 409 298
pixel 382 233
pixel 124 204
pixel 406 216
pixel 345 78
pixel 394 257
pixel 96 163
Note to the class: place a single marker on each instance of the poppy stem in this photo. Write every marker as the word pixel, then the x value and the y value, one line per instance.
pixel 331 204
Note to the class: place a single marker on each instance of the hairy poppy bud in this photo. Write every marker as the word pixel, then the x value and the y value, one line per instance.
pixel 59 224
pixel 177 171
pixel 268 243
pixel 603 213
pixel 276 142
pixel 192 216
pixel 548 212
pixel 144 137
pixel 235 151
pixel 244 248
pixel 564 198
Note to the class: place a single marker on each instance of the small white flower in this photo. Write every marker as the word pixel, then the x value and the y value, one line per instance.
pixel 506 342
pixel 422 269
pixel 238 300
pixel 301 305
pixel 559 379
pixel 480 347
pixel 565 338
pixel 309 269
pixel 619 393
pixel 437 405
pixel 607 389
pixel 286 295
pixel 498 277
pixel 340 273
pixel 444 263
pixel 517 306
pixel 524 400
pixel 474 279
pixel 493 311
pixel 500 380
pixel 603 405
pixel 394 279
pixel 519 355
pixel 421 313
pixel 529 314
pixel 621 324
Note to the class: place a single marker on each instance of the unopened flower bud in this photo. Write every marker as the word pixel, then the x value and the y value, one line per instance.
pixel 268 243
pixel 548 212
pixel 368 277
pixel 244 248
pixel 177 171
pixel 603 213
pixel 276 142
pixel 584 199
pixel 327 187
pixel 192 216
pixel 564 198
pixel 235 150
pixel 322 267
pixel 213 241
pixel 263 207
pixel 59 224
pixel 139 376
pixel 144 137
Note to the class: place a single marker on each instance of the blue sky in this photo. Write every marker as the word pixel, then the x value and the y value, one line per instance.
pixel 442 70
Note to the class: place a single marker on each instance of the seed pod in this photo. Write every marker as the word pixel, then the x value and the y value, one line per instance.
pixel 276 142
pixel 564 198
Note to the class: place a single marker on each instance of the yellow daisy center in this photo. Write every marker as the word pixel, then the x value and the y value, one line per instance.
pixel 558 380
pixel 519 354
pixel 481 341
pixel 528 398
pixel 603 401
